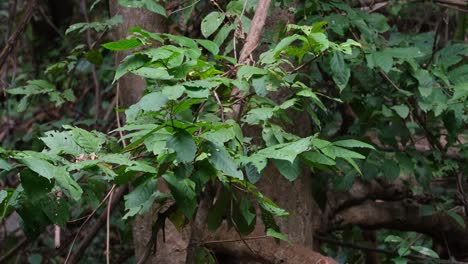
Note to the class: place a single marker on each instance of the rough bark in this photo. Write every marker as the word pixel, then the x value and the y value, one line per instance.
pixel 131 88
pixel 296 197
pixel 131 85
pixel 405 216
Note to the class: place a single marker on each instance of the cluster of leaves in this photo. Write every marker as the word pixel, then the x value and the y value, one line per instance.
pixel 188 132
pixel 179 132
pixel 407 90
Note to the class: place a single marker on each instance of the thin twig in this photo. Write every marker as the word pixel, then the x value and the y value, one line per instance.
pixel 51 24
pixel 97 88
pixel 91 232
pixel 85 222
pixel 109 203
pixel 251 43
pixel 11 43
pixel 233 240
pixel 23 242
pixel 183 8
pixel 221 107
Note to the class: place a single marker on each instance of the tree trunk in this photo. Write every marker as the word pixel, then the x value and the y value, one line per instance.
pixel 295 197
pixel 130 90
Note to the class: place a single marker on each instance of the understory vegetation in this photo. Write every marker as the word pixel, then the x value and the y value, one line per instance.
pixel 233 131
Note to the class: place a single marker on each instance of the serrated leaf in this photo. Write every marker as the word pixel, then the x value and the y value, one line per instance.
pixel 211 23
pixel 90 142
pixel 62 142
pixel 184 146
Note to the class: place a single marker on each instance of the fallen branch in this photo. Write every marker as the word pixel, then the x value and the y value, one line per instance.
pixel 266 251
pixel 405 216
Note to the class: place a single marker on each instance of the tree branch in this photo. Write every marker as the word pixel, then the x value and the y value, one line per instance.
pixel 405 216
pixel 262 249
pixel 11 43
pixel 252 41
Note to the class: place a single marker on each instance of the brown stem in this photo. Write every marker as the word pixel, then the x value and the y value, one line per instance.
pixel 252 41
pixel 91 233
pixel 11 43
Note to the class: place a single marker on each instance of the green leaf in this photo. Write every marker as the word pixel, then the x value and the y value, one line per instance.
pixel 3 196
pixel 49 171
pixel 243 215
pixel 62 142
pixel 217 212
pixel 184 193
pixel 289 170
pixel 247 71
pixel 425 81
pixel 89 141
pixel 255 116
pixel 425 251
pixel 220 136
pixel 211 23
pixel 221 159
pixel 352 143
pixel 209 45
pixel 223 34
pixel 457 218
pixel 286 151
pixel 153 73
pixel 183 145
pixel 391 170
pixel 316 157
pixel 130 63
pixel 272 233
pixel 401 110
pixel 173 92
pixel 4 165
pixel 35 186
pixel 140 199
pixel 150 5
pixel 381 59
pixel 340 70
pixel 153 6
pixel 124 44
